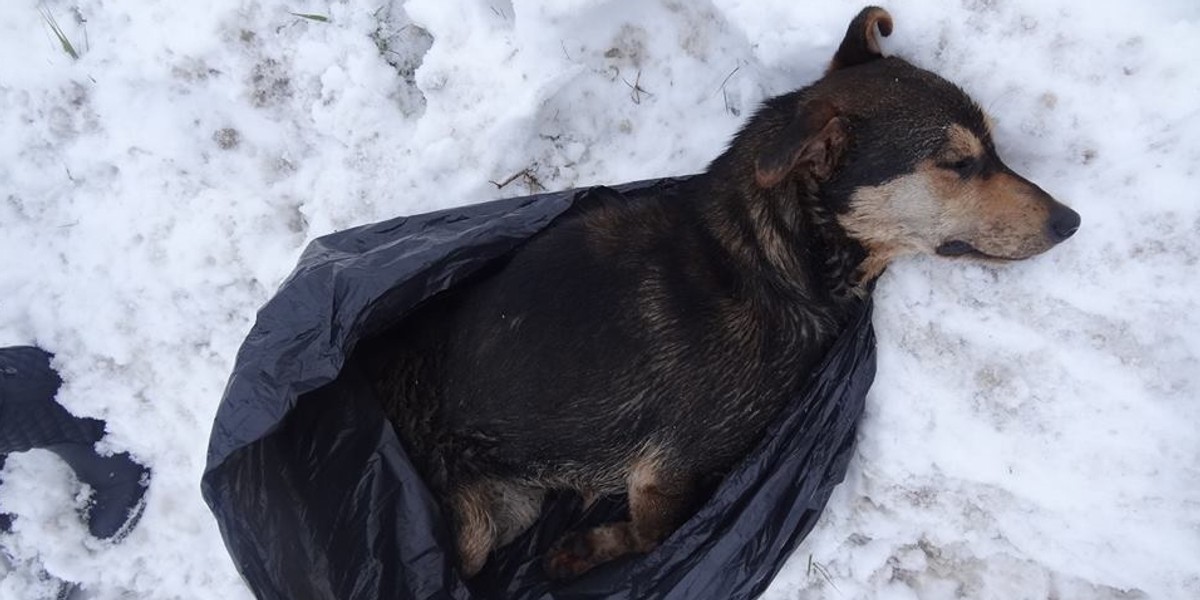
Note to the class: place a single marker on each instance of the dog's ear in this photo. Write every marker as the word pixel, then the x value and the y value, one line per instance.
pixel 813 142
pixel 861 43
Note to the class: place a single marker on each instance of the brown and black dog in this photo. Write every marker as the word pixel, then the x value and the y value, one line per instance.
pixel 643 342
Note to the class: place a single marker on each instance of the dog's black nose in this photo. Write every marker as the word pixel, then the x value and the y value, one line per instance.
pixel 1063 224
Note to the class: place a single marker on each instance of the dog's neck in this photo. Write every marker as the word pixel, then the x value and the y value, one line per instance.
pixel 787 232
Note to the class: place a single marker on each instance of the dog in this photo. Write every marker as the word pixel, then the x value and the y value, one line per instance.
pixel 642 343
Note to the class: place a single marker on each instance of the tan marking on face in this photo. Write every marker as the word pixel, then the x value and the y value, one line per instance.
pixel 962 143
pixel 988 123
pixel 1001 216
pixel 894 219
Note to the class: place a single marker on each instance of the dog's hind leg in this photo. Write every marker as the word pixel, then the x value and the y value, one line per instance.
pixel 489 514
pixel 514 508
pixel 474 529
pixel 658 503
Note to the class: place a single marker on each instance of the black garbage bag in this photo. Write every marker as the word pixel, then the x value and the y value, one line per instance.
pixel 315 497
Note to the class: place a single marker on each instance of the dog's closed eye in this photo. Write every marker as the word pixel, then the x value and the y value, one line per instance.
pixel 964 152
pixel 964 166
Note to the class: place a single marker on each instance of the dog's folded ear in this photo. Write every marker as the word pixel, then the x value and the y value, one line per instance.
pixel 861 43
pixel 810 145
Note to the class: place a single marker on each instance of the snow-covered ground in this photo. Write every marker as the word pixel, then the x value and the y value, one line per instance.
pixel 1034 431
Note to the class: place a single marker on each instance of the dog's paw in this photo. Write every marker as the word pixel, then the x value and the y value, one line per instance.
pixel 570 557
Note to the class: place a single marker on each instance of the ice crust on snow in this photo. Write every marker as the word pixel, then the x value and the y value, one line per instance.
pixel 1033 429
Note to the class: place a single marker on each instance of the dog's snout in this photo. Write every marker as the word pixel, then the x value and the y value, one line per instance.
pixel 1063 223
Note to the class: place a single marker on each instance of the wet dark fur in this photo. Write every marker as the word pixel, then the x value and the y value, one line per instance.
pixel 644 341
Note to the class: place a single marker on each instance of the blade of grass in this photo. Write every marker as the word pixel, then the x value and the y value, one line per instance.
pixel 310 17
pixel 58 32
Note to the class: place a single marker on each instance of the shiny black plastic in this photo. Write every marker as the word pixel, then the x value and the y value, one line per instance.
pixel 315 497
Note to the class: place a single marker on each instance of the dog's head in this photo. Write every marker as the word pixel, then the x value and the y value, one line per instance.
pixel 905 159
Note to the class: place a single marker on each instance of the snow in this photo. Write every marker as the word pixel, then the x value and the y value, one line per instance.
pixel 1033 429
